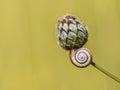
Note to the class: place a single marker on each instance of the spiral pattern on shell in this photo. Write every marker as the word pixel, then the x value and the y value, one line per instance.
pixel 81 57
pixel 71 33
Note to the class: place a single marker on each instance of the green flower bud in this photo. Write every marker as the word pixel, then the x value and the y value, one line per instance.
pixel 71 33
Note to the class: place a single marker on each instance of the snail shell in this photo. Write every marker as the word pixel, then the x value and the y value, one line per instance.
pixel 81 57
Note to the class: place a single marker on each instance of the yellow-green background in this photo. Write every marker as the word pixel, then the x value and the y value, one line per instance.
pixel 30 58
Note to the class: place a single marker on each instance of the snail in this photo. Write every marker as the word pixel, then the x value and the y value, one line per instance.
pixel 81 57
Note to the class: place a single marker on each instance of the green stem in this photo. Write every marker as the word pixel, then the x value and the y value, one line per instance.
pixel 106 72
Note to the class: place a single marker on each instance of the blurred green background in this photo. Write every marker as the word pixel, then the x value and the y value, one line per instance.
pixel 30 58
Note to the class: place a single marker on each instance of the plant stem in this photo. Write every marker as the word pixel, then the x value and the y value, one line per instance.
pixel 105 72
